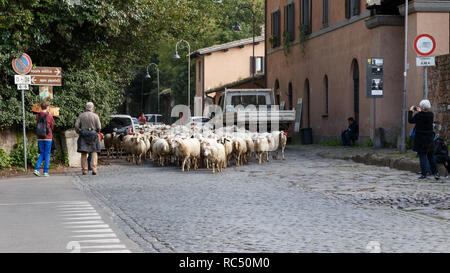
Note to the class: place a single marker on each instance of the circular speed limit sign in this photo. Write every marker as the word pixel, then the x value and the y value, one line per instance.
pixel 425 45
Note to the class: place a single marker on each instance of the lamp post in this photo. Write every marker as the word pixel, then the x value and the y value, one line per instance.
pixel 237 27
pixel 405 73
pixel 149 77
pixel 176 56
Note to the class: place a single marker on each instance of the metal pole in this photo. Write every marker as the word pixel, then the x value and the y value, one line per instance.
pixel 142 93
pixel 374 118
pixel 189 76
pixel 405 73
pixel 425 82
pixel 24 133
pixel 254 61
pixel 157 70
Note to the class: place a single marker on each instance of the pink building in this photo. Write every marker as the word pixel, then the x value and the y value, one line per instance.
pixel 329 44
pixel 228 65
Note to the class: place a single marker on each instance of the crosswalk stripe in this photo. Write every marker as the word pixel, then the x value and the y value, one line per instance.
pixel 100 241
pixel 90 226
pixel 94 230
pixel 103 246
pixel 83 222
pixel 85 218
pixel 108 235
pixel 76 210
pixel 80 214
pixel 111 251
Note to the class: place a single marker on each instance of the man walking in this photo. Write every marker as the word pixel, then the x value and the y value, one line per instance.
pixel 44 133
pixel 87 126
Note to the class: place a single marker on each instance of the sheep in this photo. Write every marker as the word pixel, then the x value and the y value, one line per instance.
pixel 108 140
pixel 215 152
pixel 227 143
pixel 239 149
pixel 160 150
pixel 188 150
pixel 139 148
pixel 261 147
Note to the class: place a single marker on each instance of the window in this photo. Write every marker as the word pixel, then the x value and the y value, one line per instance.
pixel 258 63
pixel 352 8
pixel 276 29
pixel 289 21
pixel 325 12
pixel 306 9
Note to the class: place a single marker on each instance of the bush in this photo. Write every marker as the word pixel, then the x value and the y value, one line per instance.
pixel 332 142
pixel 368 143
pixel 5 159
pixel 32 154
pixel 62 158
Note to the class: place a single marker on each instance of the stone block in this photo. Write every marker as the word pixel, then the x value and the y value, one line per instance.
pixel 70 147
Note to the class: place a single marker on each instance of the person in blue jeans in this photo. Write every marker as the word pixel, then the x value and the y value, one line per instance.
pixel 44 134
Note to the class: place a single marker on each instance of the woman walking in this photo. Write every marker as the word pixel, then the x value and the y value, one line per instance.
pixel 424 136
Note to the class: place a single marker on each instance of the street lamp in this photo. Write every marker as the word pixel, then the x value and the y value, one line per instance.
pixel 176 56
pixel 237 27
pixel 149 77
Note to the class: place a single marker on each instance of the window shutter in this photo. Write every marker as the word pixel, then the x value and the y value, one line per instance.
pixel 357 6
pixel 278 28
pixel 347 9
pixel 286 18
pixel 310 16
pixel 292 22
pixel 252 65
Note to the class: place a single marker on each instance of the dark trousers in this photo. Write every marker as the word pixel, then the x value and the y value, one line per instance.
pixel 424 158
pixel 346 138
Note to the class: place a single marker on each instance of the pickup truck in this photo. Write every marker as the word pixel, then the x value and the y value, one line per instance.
pixel 253 106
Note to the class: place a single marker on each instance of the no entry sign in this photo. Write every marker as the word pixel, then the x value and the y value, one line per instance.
pixel 424 45
pixel 22 65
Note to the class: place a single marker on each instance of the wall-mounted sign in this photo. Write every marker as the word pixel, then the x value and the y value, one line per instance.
pixel 374 78
pixel 424 45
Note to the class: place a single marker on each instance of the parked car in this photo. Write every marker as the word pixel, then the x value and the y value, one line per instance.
pixel 136 123
pixel 122 124
pixel 154 119
pixel 200 122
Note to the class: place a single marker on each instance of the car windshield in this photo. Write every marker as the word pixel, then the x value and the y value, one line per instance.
pixel 246 100
pixel 116 123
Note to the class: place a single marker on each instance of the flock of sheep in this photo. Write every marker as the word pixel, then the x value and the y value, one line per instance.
pixel 195 147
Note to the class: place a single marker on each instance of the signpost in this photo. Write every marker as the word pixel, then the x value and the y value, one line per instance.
pixel 46 80
pixel 22 66
pixel 374 86
pixel 425 46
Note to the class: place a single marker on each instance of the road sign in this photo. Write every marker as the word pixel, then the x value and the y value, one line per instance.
pixel 22 79
pixel 23 87
pixel 424 45
pixel 22 65
pixel 426 61
pixel 46 80
pixel 46 71
pixel 374 78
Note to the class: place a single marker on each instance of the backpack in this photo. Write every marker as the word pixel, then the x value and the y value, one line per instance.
pixel 42 128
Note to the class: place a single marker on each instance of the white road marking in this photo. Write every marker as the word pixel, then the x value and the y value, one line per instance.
pixel 110 235
pixel 85 218
pixel 106 241
pixel 33 203
pixel 76 210
pixel 80 214
pixel 94 230
pixel 111 251
pixel 90 226
pixel 104 246
pixel 84 222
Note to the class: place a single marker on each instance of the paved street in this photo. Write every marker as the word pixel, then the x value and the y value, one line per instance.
pixel 306 203
pixel 51 215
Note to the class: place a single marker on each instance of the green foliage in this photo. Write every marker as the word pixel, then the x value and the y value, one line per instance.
pixel 333 142
pixel 61 158
pixel 17 158
pixel 303 29
pixel 286 43
pixel 368 143
pixel 5 159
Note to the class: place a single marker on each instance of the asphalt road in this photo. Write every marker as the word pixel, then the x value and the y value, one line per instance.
pixel 302 204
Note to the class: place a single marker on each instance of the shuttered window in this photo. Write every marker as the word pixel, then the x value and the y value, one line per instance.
pixel 352 8
pixel 305 10
pixel 289 21
pixel 325 12
pixel 276 28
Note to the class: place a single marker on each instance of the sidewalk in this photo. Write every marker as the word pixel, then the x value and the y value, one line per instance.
pixel 370 156
pixel 51 215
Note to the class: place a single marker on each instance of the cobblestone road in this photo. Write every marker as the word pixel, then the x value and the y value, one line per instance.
pixel 303 204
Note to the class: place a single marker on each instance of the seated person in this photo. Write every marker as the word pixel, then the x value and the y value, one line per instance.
pixel 350 135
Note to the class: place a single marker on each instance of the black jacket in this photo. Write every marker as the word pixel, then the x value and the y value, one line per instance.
pixel 88 142
pixel 424 136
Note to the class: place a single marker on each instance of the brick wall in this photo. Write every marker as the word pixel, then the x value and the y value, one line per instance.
pixel 439 88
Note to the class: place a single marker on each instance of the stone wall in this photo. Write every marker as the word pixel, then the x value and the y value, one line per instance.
pixel 8 138
pixel 439 94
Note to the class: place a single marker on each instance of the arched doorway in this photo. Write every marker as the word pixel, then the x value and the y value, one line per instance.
pixel 355 72
pixel 277 92
pixel 307 104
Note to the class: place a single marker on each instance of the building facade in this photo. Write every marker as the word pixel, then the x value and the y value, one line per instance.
pixel 318 50
pixel 221 65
